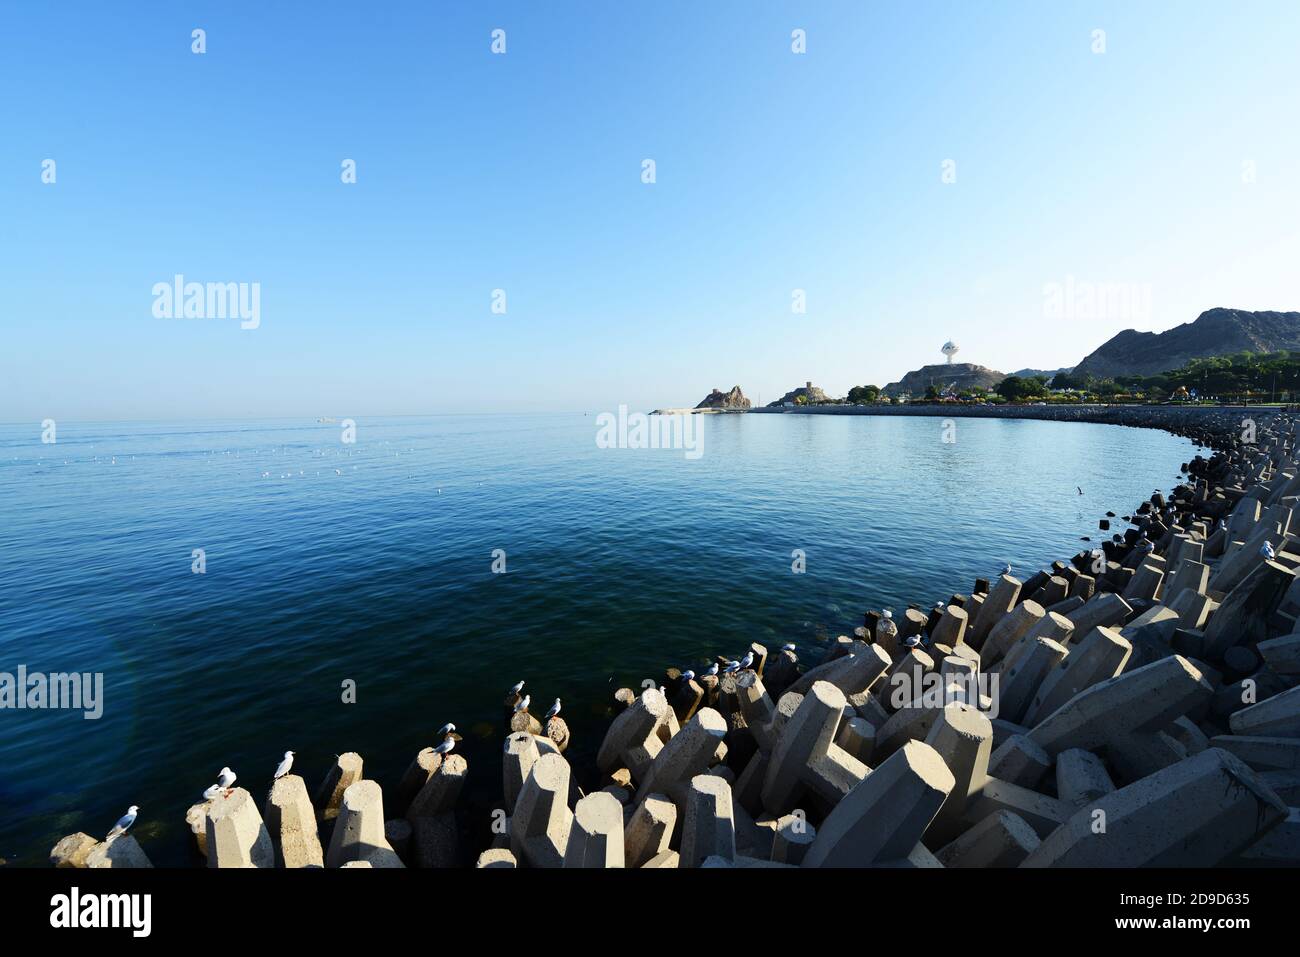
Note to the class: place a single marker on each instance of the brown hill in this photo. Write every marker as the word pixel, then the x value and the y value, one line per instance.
pixel 1215 332
pixel 957 375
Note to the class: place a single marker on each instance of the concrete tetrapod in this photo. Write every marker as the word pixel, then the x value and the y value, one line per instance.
pixel 359 831
pixel 440 791
pixel 539 828
pixel 1101 655
pixel 1010 629
pixel 345 772
pixel 884 816
pixel 596 834
pixel 688 753
pixel 634 740
pixel 649 829
pixel 1002 839
pixel 520 755
pixel 710 826
pixel 1145 699
pixel 963 739
pixel 291 821
pixel 806 754
pixel 236 835
pixel 1000 600
pixel 1196 813
pixel 121 852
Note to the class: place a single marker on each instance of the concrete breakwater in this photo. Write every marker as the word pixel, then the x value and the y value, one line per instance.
pixel 1213 426
pixel 1181 420
pixel 1136 704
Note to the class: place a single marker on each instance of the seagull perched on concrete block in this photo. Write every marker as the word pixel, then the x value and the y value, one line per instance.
pixel 517 688
pixel 448 743
pixel 555 710
pixel 788 646
pixel 1267 551
pixel 445 730
pixel 212 792
pixel 523 703
pixel 225 780
pixel 687 675
pixel 285 765
pixel 747 662
pixel 1006 569
pixel 732 667
pixel 124 822
pixel 886 629
pixel 711 670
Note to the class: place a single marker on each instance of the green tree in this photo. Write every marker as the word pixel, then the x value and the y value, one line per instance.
pixel 1068 380
pixel 863 394
pixel 1015 389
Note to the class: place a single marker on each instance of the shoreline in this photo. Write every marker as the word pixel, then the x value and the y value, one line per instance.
pixel 1172 419
pixel 747 769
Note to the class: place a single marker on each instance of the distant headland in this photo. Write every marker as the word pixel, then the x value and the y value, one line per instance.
pixel 1225 356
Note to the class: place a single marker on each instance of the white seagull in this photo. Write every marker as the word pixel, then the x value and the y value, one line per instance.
pixel 211 793
pixel 747 662
pixel 124 822
pixel 555 709
pixel 445 730
pixel 788 646
pixel 523 703
pixel 448 743
pixel 517 688
pixel 285 765
pixel 1267 551
pixel 687 675
pixel 225 779
pixel 732 666
pixel 1006 569
pixel 711 670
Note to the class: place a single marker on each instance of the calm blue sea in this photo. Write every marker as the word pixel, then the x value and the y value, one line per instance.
pixel 373 561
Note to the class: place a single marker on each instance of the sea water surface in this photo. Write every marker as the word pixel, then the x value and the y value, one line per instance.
pixel 372 562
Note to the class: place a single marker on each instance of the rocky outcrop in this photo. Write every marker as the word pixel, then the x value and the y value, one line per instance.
pixel 1215 332
pixel 809 393
pixel 943 376
pixel 735 399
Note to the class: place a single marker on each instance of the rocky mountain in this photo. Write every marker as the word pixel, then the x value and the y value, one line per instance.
pixel 1215 332
pixel 1047 374
pixel 735 399
pixel 957 375
pixel 809 392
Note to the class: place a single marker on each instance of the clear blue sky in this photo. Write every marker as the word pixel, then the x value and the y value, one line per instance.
pixel 775 171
